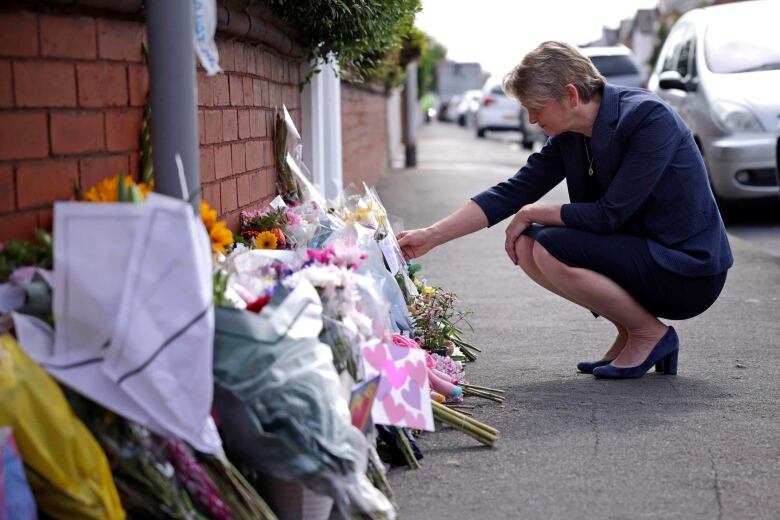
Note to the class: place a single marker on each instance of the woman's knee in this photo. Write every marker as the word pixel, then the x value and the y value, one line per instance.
pixel 545 261
pixel 524 252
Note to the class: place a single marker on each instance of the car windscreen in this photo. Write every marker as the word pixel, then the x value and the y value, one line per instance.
pixel 732 47
pixel 618 65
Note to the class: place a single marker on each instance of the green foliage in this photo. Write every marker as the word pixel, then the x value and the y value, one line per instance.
pixel 20 253
pixel 432 53
pixel 359 33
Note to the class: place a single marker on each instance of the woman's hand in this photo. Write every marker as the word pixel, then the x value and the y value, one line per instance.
pixel 416 242
pixel 514 230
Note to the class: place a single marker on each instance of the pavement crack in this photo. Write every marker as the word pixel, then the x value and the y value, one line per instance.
pixel 716 487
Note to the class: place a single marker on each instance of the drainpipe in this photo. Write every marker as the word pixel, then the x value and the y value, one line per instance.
pixel 411 115
pixel 174 110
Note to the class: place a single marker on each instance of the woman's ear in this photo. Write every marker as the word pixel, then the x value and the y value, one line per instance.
pixel 572 95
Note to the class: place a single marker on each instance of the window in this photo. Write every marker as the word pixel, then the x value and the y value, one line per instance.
pixel 618 65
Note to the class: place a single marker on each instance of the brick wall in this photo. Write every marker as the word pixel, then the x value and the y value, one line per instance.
pixel 236 119
pixel 363 134
pixel 72 91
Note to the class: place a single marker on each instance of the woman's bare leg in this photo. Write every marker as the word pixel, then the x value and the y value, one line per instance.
pixel 524 250
pixel 595 291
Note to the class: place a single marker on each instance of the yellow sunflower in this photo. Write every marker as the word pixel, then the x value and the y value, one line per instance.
pixel 107 190
pixel 265 240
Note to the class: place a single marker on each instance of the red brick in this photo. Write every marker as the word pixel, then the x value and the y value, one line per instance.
pixel 270 179
pixel 135 166
pixel 232 220
pixel 76 132
pixel 23 135
pixel 45 219
pixel 238 157
pixel 223 165
pixel 244 190
pixel 226 55
pixel 256 186
pixel 239 57
pixel 248 91
pixel 6 188
pixel 251 59
pixel 201 127
pixel 244 131
pixel 42 182
pixel 227 195
pixel 6 85
pixel 205 90
pixel 44 84
pixel 257 123
pixel 269 123
pixel 102 84
pixel 274 95
pixel 254 155
pixel 211 195
pixel 123 129
pixel 138 77
pixel 236 91
pixel 268 153
pixel 257 92
pixel 18 34
pixel 68 37
pixel 207 173
pixel 221 91
pixel 95 169
pixel 213 124
pixel 18 226
pixel 229 125
pixel 120 40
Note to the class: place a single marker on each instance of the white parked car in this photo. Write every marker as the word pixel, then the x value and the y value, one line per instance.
pixel 617 64
pixel 497 112
pixel 720 70
pixel 469 103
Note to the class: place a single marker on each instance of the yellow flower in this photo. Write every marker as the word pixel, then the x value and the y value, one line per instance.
pixel 220 237
pixel 427 290
pixel 208 215
pixel 106 190
pixel 218 231
pixel 265 240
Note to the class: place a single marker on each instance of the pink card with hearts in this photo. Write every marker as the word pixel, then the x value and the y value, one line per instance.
pixel 403 397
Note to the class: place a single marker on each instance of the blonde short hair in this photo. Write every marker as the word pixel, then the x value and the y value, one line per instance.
pixel 544 72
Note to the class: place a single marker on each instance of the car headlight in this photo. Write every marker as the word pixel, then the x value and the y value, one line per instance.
pixel 734 117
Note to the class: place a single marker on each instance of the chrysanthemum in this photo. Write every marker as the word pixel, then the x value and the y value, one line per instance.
pixel 265 240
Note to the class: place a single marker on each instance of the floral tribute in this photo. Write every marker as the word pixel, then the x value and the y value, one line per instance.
pixel 318 318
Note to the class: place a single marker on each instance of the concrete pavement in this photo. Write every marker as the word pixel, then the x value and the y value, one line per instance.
pixel 702 444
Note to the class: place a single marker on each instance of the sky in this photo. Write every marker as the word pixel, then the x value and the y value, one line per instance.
pixel 498 33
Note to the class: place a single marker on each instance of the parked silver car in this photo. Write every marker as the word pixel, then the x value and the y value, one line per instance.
pixel 617 64
pixel 720 69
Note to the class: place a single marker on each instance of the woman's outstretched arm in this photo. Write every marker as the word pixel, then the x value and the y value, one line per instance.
pixel 468 219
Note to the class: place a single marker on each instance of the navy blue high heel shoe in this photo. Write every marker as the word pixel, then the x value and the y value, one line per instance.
pixel 586 367
pixel 663 356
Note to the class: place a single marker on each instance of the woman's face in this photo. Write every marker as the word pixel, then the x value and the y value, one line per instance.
pixel 552 115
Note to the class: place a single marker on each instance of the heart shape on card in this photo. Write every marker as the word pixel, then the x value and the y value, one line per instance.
pixel 396 376
pixel 412 395
pixel 417 372
pixel 395 412
pixel 384 387
pixel 414 420
pixel 398 353
pixel 375 356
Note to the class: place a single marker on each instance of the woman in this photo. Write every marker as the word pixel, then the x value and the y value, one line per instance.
pixel 642 237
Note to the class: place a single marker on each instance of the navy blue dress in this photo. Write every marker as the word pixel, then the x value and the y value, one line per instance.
pixel 646 218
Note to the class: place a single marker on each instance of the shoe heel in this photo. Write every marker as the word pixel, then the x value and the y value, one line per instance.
pixel 659 367
pixel 670 364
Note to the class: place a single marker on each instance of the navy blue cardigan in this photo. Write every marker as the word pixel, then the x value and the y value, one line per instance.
pixel 654 179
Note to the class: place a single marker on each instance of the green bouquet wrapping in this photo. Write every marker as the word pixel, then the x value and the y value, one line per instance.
pixel 279 405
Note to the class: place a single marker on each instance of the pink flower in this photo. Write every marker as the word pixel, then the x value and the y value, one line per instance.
pixel 322 256
pixel 293 219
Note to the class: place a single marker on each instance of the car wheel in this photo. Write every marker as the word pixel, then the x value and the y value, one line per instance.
pixel 528 145
pixel 462 120
pixel 481 133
